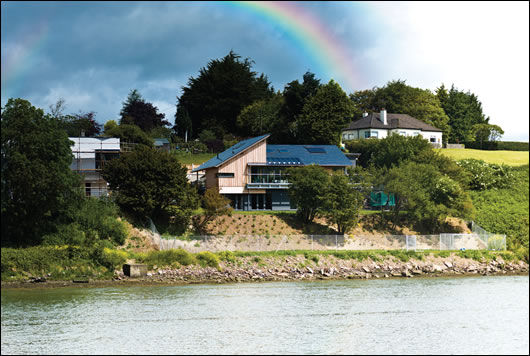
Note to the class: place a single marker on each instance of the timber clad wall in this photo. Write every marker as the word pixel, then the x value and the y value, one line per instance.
pixel 238 166
pixel 211 180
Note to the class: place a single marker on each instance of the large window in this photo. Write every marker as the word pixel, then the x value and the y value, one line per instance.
pixel 268 175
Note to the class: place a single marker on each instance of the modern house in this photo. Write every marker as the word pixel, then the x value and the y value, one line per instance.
pixel 380 125
pixel 89 157
pixel 252 173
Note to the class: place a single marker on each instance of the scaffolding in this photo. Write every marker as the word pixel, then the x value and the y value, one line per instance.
pixel 90 156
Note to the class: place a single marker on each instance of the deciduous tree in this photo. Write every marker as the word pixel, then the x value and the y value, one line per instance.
pixel 39 189
pixel 150 183
pixel 305 191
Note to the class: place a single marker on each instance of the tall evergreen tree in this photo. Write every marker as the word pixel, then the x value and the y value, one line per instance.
pixel 464 111
pixel 324 116
pixel 295 96
pixel 136 111
pixel 215 98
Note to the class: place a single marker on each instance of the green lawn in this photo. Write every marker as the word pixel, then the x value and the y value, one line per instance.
pixel 199 158
pixel 511 158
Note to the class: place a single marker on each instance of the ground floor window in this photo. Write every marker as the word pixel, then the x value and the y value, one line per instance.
pixel 273 199
pixel 368 134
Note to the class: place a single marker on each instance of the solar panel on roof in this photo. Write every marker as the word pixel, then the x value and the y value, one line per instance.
pixel 315 149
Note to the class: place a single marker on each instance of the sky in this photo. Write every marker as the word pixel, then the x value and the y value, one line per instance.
pixel 91 54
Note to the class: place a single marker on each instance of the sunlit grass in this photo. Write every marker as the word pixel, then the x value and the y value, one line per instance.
pixel 511 158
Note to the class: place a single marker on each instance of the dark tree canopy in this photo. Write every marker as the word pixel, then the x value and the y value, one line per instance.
pixel 295 95
pixel 149 183
pixel 82 124
pixel 136 111
pixel 38 187
pixel 324 116
pixel 215 98
pixel 464 111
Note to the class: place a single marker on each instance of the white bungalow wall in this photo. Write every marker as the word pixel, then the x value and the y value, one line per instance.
pixel 382 133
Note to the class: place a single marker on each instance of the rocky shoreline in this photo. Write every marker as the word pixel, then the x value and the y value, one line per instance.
pixel 296 268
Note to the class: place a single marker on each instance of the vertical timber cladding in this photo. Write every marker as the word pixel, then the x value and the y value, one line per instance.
pixel 238 165
pixel 211 179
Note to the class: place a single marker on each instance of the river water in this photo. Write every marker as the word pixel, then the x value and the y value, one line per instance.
pixel 482 315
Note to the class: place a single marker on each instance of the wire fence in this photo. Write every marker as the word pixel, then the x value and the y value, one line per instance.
pixel 479 239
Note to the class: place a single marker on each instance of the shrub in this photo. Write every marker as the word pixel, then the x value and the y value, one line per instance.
pixel 227 256
pixel 167 257
pixel 207 258
pixel 487 175
pixel 113 258
pixel 70 234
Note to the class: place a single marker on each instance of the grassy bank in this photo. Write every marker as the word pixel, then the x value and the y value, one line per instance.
pixel 70 262
pixel 510 158
pixel 198 158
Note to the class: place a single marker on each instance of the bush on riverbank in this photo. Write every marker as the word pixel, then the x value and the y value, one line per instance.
pixel 54 262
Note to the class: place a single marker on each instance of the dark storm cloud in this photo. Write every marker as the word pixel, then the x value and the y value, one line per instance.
pixel 95 52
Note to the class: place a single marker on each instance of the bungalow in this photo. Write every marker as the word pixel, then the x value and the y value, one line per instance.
pixel 380 125
pixel 89 156
pixel 252 174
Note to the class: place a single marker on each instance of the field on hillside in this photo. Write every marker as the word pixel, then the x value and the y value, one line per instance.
pixel 511 158
pixel 199 158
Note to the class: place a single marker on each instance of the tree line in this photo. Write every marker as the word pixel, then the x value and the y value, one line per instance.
pixel 228 101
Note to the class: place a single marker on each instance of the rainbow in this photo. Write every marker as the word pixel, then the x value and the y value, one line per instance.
pixel 309 34
pixel 21 58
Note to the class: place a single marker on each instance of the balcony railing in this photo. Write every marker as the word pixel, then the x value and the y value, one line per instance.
pixel 264 180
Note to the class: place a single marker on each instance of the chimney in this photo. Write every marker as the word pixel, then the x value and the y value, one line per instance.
pixel 382 117
pixel 365 114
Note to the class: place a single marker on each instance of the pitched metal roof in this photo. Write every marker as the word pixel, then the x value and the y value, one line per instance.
pixel 231 152
pixel 322 155
pixel 394 121
pixel 161 141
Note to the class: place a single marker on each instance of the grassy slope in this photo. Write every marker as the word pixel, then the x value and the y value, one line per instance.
pixel 511 158
pixel 198 158
pixel 503 211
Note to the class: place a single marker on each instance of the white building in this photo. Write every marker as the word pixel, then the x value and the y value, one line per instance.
pixel 89 156
pixel 380 125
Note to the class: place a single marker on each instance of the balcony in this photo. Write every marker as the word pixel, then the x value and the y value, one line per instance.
pixel 267 181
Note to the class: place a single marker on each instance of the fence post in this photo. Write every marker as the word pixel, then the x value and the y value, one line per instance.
pixel 311 242
pixel 407 241
pixel 336 244
pixel 440 248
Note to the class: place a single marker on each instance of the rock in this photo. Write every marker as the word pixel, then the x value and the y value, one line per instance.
pixel 406 273
pixel 366 269
pixel 448 264
pixel 396 274
pixel 417 271
pixel 149 274
pixel 309 270
pixel 437 268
